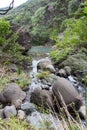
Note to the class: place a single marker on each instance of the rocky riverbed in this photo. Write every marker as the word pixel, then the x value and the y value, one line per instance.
pixel 50 90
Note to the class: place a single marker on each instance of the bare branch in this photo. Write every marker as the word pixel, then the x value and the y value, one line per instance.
pixel 4 11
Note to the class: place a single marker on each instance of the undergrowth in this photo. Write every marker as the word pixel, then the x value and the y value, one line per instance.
pixel 20 77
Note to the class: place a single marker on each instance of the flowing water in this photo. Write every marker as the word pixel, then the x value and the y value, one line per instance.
pixel 40 53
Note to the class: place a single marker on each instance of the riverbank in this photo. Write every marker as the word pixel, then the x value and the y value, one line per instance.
pixel 42 76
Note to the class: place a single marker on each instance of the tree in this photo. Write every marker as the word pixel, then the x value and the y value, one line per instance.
pixel 4 11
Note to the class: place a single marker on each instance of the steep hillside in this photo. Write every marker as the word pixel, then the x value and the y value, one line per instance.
pixel 41 17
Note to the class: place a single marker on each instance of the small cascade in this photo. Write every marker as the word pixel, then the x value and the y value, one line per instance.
pixel 39 83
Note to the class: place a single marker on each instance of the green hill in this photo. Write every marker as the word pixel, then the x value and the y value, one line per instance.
pixel 41 17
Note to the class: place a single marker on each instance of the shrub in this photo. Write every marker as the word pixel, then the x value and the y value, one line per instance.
pixel 38 16
pixel 43 75
pixel 8 38
pixel 14 124
pixel 73 6
pixel 4 31
pixel 74 36
pixel 9 48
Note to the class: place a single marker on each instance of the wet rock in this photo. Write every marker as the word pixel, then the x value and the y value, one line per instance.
pixel 45 87
pixel 68 92
pixel 71 79
pixel 44 81
pixel 82 112
pixel 28 107
pixel 62 73
pixel 44 121
pixel 13 94
pixel 21 114
pixel 1 113
pixel 10 111
pixel 46 65
pixel 42 98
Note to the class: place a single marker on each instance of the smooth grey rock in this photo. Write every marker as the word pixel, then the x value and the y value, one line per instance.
pixel 44 121
pixel 46 65
pixel 14 94
pixel 68 92
pixel 44 81
pixel 21 114
pixel 10 111
pixel 28 107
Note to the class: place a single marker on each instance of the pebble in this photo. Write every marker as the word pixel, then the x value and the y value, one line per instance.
pixel 21 114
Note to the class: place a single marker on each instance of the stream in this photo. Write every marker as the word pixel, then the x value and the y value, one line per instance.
pixel 41 53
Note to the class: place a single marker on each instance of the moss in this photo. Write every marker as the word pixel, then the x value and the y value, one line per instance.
pixel 60 55
pixel 43 75
pixel 23 80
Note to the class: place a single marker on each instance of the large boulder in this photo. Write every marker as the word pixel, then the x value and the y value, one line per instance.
pixel 69 93
pixel 46 65
pixel 42 98
pixel 13 94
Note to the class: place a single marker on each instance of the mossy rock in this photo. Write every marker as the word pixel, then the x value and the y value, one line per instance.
pixel 78 64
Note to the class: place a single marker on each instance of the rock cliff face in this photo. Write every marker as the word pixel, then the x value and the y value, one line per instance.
pixel 24 38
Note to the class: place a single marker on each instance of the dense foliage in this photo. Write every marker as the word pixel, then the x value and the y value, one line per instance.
pixel 10 50
pixel 7 37
pixel 73 36
pixel 40 17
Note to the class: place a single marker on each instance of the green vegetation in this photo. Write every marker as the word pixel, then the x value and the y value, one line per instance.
pixel 8 38
pixel 6 76
pixel 4 30
pixel 44 20
pixel 23 80
pixel 40 17
pixel 43 75
pixel 85 80
pixel 74 36
pixel 14 124
pixel 73 6
pixel 10 50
